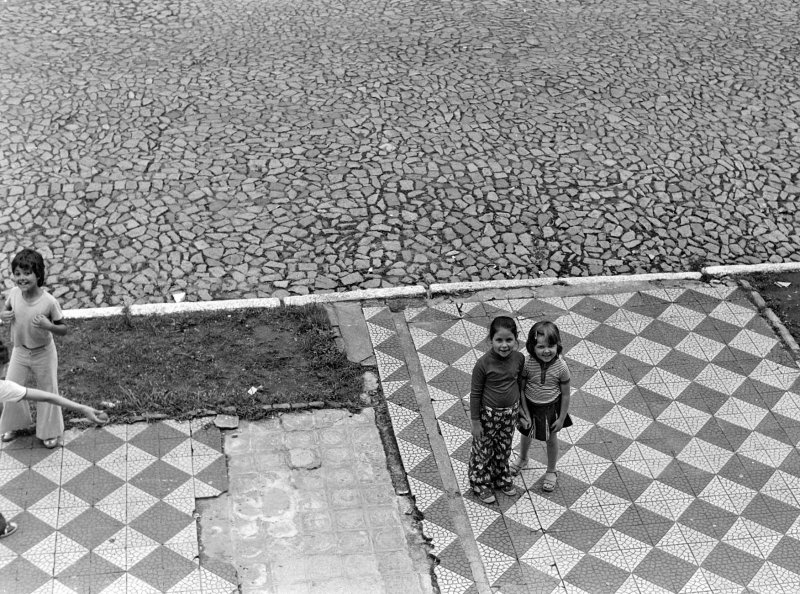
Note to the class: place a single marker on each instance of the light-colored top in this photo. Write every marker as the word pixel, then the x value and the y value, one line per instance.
pixel 11 392
pixel 542 388
pixel 495 382
pixel 23 332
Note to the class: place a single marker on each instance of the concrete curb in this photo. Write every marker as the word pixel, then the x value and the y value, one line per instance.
pixel 421 291
pixel 718 271
pixel 356 295
pixel 448 288
pixel 143 309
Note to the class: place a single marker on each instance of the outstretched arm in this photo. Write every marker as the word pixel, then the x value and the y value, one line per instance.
pixel 94 415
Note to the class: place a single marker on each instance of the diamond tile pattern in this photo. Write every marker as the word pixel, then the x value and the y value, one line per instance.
pixel 111 511
pixel 681 473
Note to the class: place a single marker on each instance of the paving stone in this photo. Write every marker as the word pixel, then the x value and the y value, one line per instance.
pixel 318 192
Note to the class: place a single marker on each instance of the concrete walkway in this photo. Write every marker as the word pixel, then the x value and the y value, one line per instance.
pixel 311 509
pixel 305 504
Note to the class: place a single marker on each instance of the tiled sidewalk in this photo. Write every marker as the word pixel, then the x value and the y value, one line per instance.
pixel 111 511
pixel 681 473
pixel 313 510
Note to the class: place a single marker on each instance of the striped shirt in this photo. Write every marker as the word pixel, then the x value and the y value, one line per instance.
pixel 543 382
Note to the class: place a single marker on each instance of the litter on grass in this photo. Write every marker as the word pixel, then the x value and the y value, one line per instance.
pixel 782 284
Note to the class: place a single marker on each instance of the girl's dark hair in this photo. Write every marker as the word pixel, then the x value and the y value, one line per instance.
pixel 551 335
pixel 3 353
pixel 30 260
pixel 502 323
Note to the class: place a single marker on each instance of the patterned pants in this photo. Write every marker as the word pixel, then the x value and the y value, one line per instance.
pixel 488 459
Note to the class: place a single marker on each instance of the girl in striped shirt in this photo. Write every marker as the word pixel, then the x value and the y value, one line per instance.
pixel 544 410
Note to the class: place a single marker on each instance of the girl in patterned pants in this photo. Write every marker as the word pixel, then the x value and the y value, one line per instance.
pixel 494 402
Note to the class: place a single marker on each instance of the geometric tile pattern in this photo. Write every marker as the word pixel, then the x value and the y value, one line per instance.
pixel 681 472
pixel 112 510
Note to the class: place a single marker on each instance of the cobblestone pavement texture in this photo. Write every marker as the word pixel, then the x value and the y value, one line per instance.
pixel 257 148
pixel 313 510
pixel 681 471
pixel 112 511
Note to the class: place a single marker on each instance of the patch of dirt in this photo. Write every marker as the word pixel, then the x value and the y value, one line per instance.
pixel 177 364
pixel 784 301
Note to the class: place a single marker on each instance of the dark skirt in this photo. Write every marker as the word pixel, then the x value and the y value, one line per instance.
pixel 542 418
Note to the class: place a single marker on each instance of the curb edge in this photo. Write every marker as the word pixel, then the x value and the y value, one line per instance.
pixel 420 290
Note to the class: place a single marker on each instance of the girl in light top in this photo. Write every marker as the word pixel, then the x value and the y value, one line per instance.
pixel 545 405
pixel 494 401
pixel 12 393
pixel 35 316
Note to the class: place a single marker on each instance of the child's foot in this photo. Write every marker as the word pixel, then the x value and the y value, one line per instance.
pixel 509 489
pixel 517 464
pixel 50 443
pixel 485 494
pixel 550 481
pixel 12 435
pixel 11 528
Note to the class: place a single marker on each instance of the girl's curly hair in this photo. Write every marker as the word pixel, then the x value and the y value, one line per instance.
pixel 3 353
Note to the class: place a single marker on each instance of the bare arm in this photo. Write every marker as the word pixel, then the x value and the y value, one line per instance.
pixel 564 400
pixel 58 327
pixel 90 413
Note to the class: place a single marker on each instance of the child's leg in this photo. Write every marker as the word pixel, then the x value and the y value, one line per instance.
pixel 16 415
pixel 501 446
pixel 480 456
pixel 552 451
pixel 49 419
pixel 524 446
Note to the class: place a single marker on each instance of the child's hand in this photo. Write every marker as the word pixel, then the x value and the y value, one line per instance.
pixel 41 321
pixel 557 425
pixel 477 430
pixel 96 416
pixel 7 316
pixel 524 422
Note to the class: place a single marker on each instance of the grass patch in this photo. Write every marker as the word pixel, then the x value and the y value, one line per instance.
pixel 784 301
pixel 177 364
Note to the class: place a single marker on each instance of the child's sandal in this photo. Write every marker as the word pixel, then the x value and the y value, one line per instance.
pixel 11 528
pixel 516 465
pixel 550 481
pixel 50 443
pixel 485 494
pixel 509 489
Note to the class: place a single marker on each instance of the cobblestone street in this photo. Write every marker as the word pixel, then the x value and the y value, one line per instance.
pixel 253 149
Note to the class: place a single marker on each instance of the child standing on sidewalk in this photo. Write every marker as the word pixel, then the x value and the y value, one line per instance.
pixel 494 403
pixel 35 316
pixel 12 393
pixel 545 405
